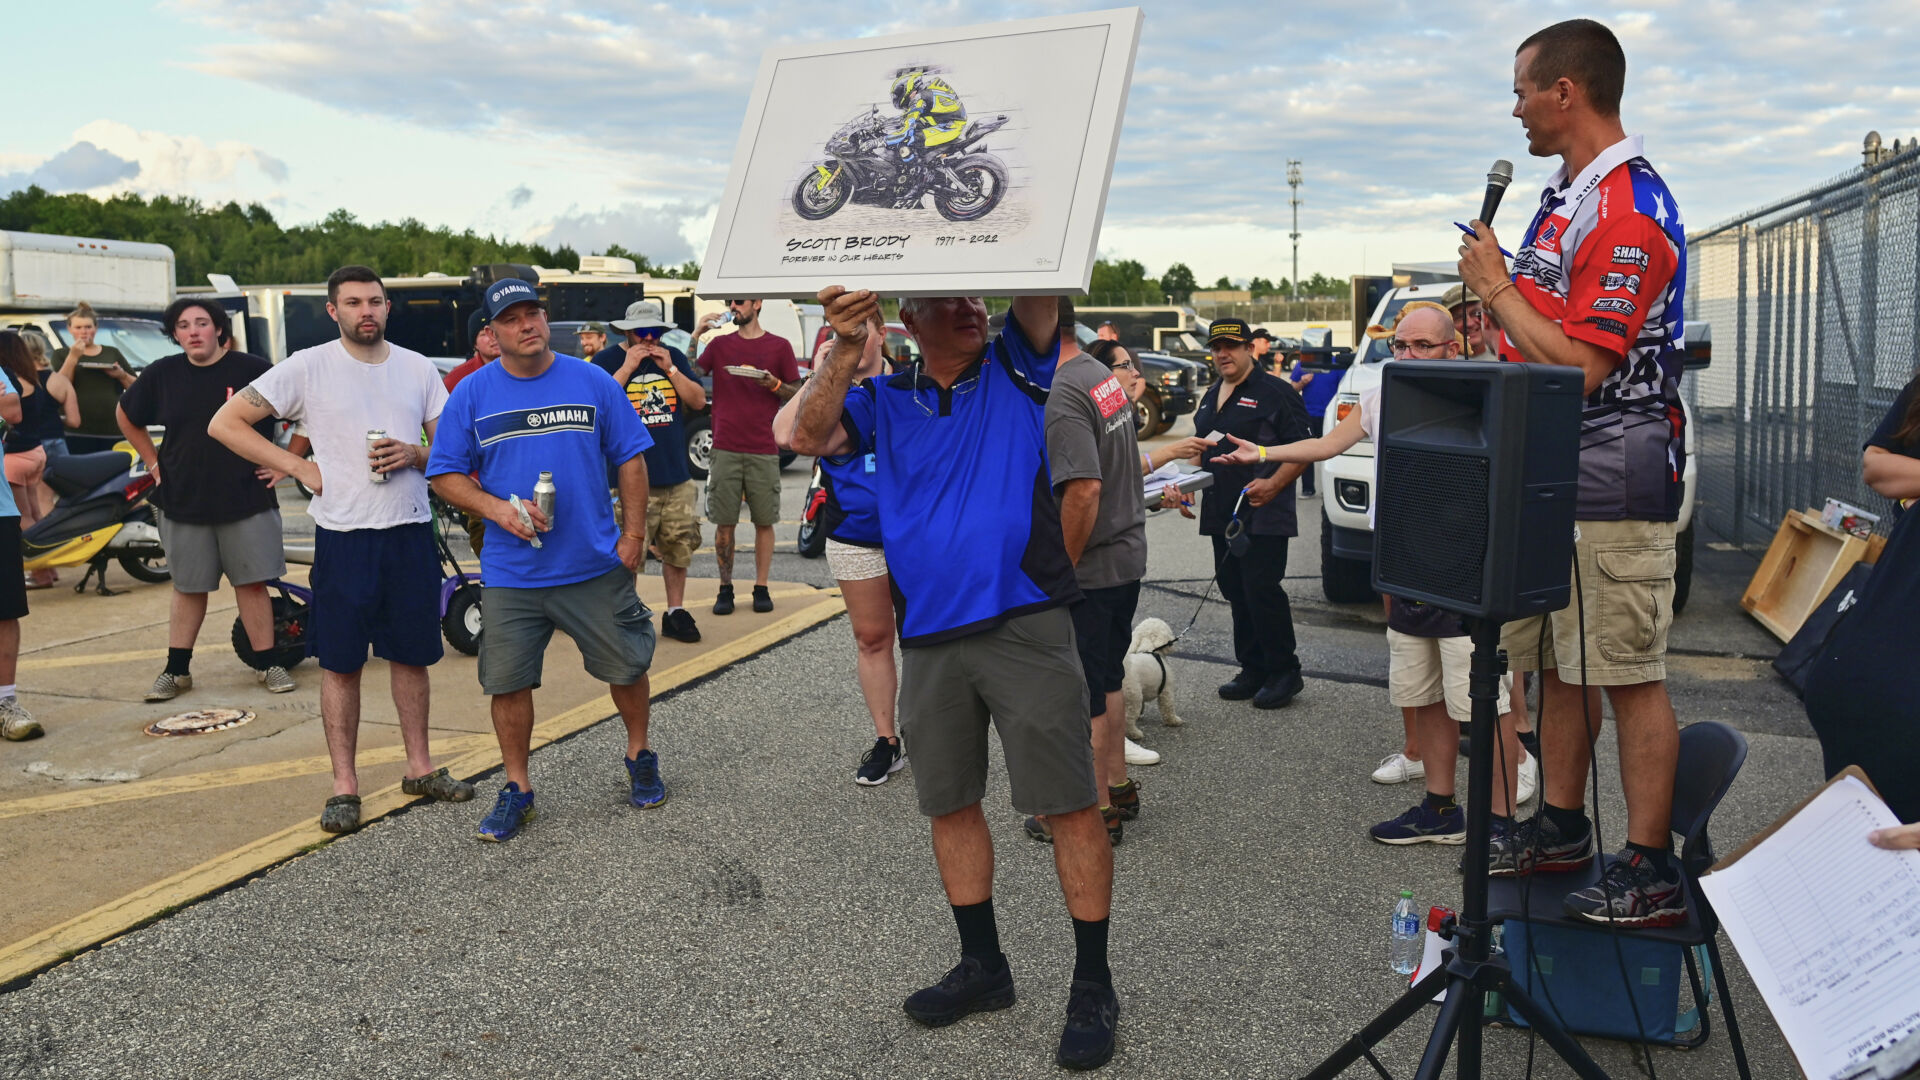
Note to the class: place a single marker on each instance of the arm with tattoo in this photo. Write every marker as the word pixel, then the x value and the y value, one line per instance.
pixel 233 426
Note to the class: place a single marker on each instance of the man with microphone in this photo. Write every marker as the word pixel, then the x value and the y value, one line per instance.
pixel 1597 284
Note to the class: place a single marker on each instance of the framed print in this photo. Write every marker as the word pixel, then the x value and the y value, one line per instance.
pixel 970 161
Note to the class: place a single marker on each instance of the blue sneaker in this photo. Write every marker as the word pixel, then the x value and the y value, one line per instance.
pixel 649 790
pixel 1421 825
pixel 510 812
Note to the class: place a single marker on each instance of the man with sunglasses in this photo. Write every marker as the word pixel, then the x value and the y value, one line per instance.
pixel 662 388
pixel 1249 513
pixel 746 460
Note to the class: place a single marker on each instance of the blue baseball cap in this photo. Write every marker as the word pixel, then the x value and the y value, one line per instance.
pixel 502 295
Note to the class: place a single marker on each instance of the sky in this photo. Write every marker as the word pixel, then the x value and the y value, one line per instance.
pixel 589 122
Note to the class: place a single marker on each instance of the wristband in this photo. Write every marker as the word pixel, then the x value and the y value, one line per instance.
pixel 1497 290
pixel 1263 454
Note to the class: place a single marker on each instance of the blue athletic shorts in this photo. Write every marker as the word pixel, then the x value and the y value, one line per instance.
pixel 378 588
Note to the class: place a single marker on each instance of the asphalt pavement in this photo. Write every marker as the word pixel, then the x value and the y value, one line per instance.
pixel 769 919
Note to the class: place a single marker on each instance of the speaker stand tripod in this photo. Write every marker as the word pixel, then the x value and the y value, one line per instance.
pixel 1469 973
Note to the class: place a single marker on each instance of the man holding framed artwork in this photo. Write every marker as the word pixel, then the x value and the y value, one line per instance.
pixel 985 631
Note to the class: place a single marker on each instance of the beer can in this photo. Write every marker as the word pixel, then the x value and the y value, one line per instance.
pixel 374 435
pixel 543 497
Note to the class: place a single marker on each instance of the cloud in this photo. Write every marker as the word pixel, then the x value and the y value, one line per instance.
pixel 659 232
pixel 1394 111
pixel 107 157
pixel 519 197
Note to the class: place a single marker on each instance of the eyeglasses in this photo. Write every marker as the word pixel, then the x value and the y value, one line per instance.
pixel 1400 347
pixel 1125 365
pixel 738 303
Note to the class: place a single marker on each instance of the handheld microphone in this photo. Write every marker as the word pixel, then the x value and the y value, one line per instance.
pixel 1497 180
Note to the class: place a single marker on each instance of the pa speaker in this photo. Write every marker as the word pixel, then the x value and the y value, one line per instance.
pixel 1478 467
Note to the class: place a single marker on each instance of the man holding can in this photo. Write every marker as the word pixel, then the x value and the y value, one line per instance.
pixel 364 403
pixel 531 428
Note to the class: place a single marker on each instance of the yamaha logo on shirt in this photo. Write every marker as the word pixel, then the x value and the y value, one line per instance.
pixel 518 422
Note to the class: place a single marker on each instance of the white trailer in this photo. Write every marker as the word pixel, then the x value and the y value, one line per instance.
pixel 43 272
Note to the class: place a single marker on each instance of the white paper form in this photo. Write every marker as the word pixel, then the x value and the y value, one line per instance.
pixel 1829 927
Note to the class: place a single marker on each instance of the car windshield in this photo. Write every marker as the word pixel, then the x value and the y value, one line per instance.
pixel 141 341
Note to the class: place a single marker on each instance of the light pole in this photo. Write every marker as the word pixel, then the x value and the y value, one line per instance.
pixel 1293 181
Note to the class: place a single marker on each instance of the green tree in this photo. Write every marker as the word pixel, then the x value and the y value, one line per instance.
pixel 1179 282
pixel 1123 284
pixel 1225 282
pixel 248 244
pixel 1260 287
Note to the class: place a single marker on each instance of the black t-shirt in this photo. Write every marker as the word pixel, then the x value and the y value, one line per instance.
pixel 201 481
pixel 1886 435
pixel 1264 410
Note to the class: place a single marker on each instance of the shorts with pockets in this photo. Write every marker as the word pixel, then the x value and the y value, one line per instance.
pixel 1023 677
pixel 1623 591
pixel 733 476
pixel 603 615
pixel 376 588
pixel 1428 670
pixel 1102 629
pixel 247 551
pixel 673 525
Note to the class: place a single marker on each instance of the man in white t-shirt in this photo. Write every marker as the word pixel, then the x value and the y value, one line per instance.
pixel 376 576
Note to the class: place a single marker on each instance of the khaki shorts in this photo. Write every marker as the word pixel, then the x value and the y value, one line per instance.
pixel 756 477
pixel 673 525
pixel 1624 585
pixel 1428 670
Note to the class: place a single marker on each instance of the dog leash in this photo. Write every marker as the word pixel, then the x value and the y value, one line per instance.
pixel 1208 594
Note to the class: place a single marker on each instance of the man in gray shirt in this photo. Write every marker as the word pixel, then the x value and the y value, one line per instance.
pixel 1093 458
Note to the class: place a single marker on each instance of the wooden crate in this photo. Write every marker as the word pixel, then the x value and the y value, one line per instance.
pixel 1805 561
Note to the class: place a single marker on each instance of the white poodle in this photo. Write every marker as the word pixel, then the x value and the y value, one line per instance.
pixel 1147 675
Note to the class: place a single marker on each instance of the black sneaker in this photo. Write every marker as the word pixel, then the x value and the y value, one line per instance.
pixel 882 761
pixel 1242 686
pixel 1093 1012
pixel 678 625
pixel 1279 691
pixel 762 599
pixel 723 603
pixel 1632 893
pixel 1536 845
pixel 968 988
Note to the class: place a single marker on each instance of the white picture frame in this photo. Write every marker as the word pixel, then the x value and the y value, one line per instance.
pixel 1044 100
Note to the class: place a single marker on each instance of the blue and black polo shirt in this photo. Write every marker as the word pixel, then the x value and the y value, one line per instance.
pixel 967 513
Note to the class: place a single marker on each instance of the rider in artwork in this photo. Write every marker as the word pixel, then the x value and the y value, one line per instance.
pixel 931 116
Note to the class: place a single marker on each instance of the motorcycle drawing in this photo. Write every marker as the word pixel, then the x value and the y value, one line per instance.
pixel 966 181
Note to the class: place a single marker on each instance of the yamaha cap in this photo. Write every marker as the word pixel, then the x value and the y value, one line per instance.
pixel 502 295
pixel 1232 330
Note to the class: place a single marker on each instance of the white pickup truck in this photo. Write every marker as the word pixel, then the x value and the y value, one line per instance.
pixel 1346 483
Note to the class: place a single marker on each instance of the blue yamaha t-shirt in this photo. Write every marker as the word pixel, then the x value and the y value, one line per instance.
pixel 571 420
pixel 851 513
pixel 968 518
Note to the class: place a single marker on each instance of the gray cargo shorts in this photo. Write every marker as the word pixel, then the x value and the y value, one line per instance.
pixel 248 551
pixel 1024 678
pixel 603 615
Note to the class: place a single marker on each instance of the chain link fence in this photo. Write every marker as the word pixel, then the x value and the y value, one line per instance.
pixel 1813 303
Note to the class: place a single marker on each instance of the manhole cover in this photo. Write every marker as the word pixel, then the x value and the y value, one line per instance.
pixel 200 722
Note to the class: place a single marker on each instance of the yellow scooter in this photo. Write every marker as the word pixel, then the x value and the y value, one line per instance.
pixel 103 514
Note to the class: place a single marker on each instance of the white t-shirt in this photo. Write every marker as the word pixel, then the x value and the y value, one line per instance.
pixel 336 400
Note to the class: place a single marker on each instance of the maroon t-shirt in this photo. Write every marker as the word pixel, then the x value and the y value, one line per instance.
pixel 743 410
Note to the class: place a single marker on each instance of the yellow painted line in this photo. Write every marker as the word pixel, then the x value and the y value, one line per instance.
pixel 220 778
pixel 55 944
pixel 90 659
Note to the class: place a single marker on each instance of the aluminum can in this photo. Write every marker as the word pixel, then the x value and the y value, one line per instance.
pixel 543 497
pixel 374 435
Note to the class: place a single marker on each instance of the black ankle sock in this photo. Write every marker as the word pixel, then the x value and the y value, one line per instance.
pixel 1090 952
pixel 179 661
pixel 1440 802
pixel 1661 858
pixel 1531 740
pixel 1572 824
pixel 979 934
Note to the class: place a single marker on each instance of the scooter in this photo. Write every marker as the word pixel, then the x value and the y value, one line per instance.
pixel 812 539
pixel 103 514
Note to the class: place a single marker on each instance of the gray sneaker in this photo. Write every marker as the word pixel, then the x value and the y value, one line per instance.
pixel 438 784
pixel 169 686
pixel 276 679
pixel 16 723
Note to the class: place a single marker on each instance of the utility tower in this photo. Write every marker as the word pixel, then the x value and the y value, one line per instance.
pixel 1293 181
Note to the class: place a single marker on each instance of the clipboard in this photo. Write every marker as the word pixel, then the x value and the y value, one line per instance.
pixel 1853 771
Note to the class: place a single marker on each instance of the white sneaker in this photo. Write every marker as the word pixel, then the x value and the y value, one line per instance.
pixel 276 679
pixel 1140 755
pixel 1398 769
pixel 1529 775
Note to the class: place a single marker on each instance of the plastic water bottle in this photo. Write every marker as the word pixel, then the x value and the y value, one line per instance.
pixel 1406 935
